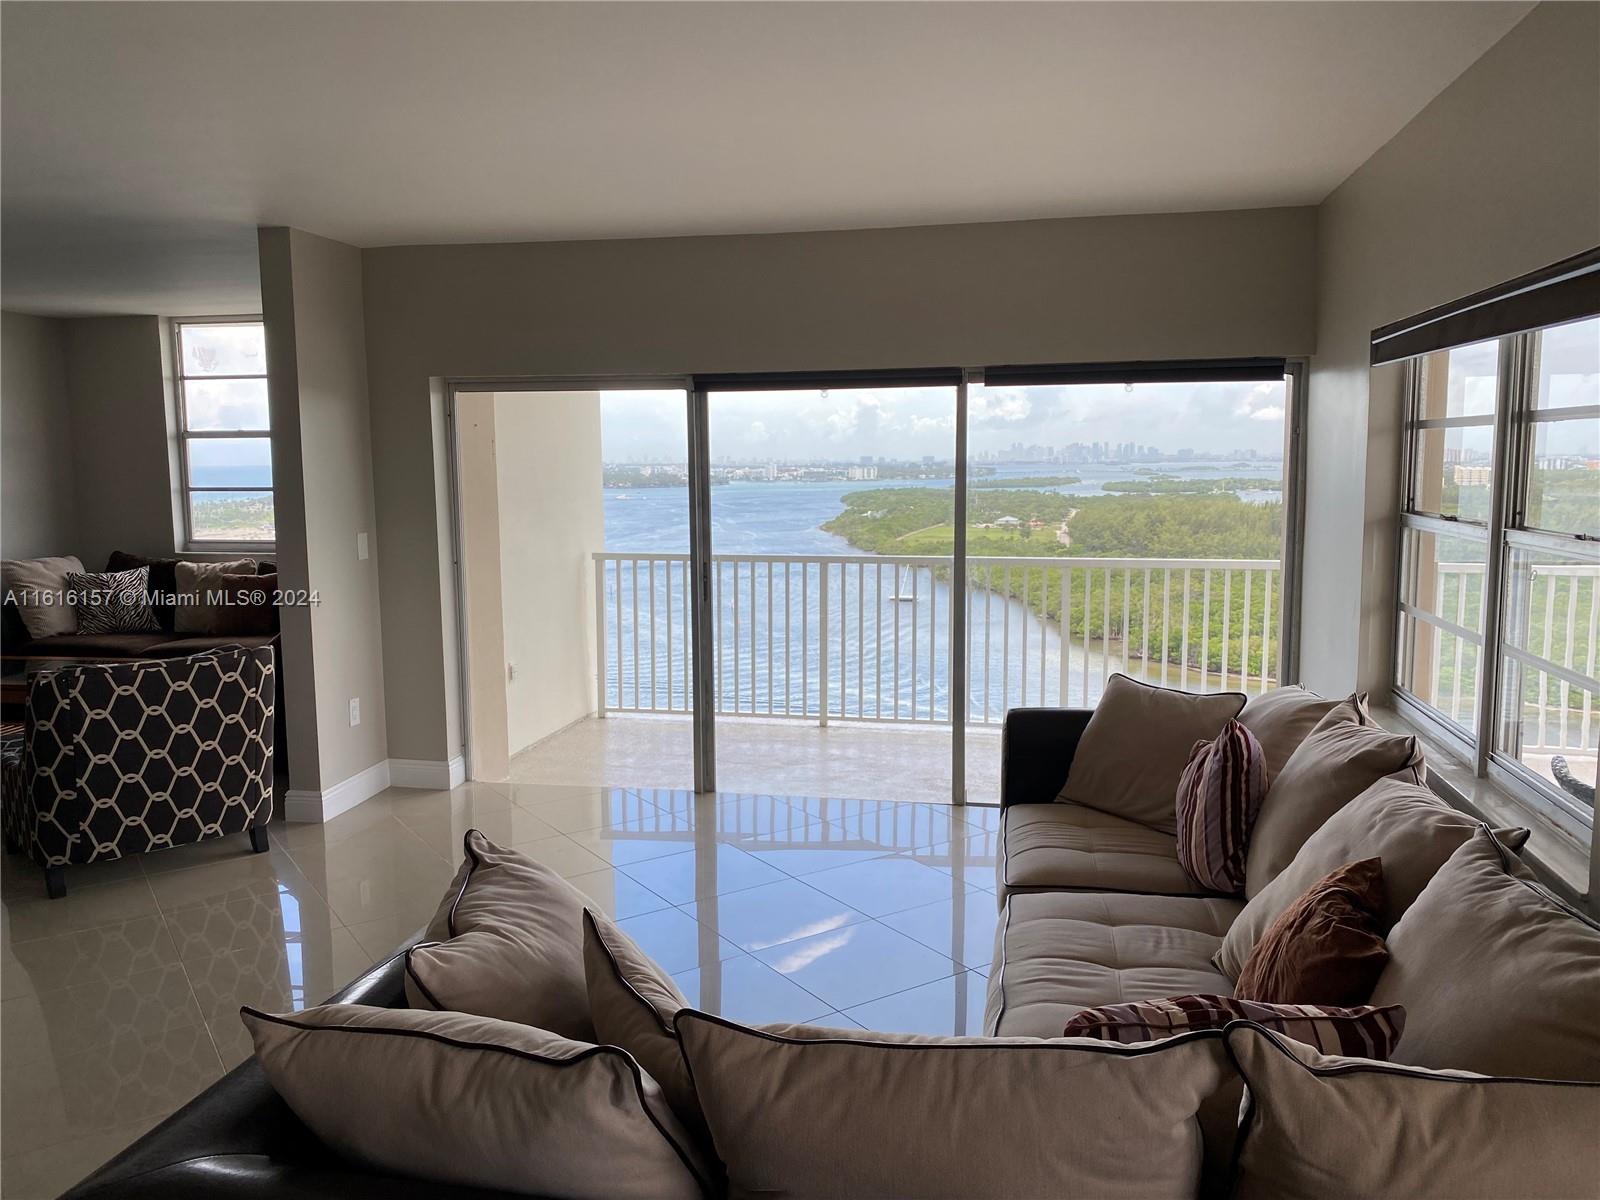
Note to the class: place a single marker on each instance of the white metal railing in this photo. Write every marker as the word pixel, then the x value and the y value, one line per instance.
pixel 1553 631
pixel 866 637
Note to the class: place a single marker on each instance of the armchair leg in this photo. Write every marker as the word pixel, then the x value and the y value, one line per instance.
pixel 258 839
pixel 55 882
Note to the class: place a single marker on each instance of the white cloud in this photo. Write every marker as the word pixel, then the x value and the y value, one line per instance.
pixel 1271 412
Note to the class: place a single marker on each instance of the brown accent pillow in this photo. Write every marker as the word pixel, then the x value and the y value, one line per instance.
pixel 250 613
pixel 1325 947
pixel 1135 747
pixel 193 614
pixel 1366 1031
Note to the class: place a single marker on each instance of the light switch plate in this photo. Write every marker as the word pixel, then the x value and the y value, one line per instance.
pixel 361 546
pixel 355 712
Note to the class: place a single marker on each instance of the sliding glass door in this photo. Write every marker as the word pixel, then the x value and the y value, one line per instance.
pixel 831 526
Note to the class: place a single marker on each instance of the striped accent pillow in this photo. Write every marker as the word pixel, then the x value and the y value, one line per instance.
pixel 1219 796
pixel 1370 1031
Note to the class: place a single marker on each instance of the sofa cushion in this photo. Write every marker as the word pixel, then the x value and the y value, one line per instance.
pixel 801 1113
pixel 1133 752
pixel 1404 824
pixel 506 942
pixel 469 1100
pixel 1324 948
pixel 1497 974
pixel 1339 760
pixel 633 1003
pixel 97 645
pixel 1319 1126
pixel 37 587
pixel 174 647
pixel 1057 953
pixel 1051 847
pixel 1281 719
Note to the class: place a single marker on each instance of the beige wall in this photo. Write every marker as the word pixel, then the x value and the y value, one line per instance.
pixel 124 436
pixel 1499 175
pixel 481 588
pixel 39 502
pixel 532 514
pixel 552 519
pixel 321 439
pixel 1173 286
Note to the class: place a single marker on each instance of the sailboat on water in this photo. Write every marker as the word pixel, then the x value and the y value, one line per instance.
pixel 902 593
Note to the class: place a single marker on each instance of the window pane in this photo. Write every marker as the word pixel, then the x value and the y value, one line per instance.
pixel 1551 726
pixel 1453 469
pixel 1440 669
pixel 223 349
pixel 1564 476
pixel 1444 575
pixel 230 462
pixel 225 404
pixel 231 516
pixel 1460 382
pixel 1569 365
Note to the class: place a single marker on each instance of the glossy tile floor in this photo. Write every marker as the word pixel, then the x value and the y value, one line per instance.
pixel 793 758
pixel 120 1002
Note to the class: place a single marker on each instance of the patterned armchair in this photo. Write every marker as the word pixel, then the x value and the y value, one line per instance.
pixel 124 758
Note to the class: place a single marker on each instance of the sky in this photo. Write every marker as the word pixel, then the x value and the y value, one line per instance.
pixel 908 423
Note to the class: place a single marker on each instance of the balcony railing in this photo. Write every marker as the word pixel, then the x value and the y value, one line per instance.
pixel 866 637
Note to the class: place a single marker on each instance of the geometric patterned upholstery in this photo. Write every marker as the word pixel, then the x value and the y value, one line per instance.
pixel 123 758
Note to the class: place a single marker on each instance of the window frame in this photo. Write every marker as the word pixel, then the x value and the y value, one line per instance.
pixel 186 489
pixel 1515 423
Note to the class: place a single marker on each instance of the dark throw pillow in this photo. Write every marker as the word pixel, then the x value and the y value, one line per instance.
pixel 163 582
pixel 1324 948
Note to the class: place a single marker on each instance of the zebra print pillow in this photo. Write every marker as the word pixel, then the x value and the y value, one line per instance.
pixel 114 602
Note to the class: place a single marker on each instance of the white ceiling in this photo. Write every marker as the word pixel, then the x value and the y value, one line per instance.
pixel 142 143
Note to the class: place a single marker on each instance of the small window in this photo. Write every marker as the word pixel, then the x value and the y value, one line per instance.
pixel 225 433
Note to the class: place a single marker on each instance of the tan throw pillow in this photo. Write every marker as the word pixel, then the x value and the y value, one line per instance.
pixel 633 1002
pixel 507 942
pixel 1281 719
pixel 1318 1126
pixel 1404 824
pixel 1497 974
pixel 1325 947
pixel 194 612
pixel 804 1113
pixel 1136 745
pixel 1335 764
pixel 38 587
pixel 476 1102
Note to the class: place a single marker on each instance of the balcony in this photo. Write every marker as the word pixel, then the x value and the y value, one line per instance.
pixel 833 672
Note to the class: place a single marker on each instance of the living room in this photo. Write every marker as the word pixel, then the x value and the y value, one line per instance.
pixel 792 527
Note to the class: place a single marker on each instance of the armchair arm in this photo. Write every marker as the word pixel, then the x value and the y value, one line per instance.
pixel 1036 749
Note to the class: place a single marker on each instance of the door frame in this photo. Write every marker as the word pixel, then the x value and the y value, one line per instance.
pixel 697 389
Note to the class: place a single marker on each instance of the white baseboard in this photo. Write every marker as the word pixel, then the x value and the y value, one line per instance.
pixel 427 773
pixel 306 805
